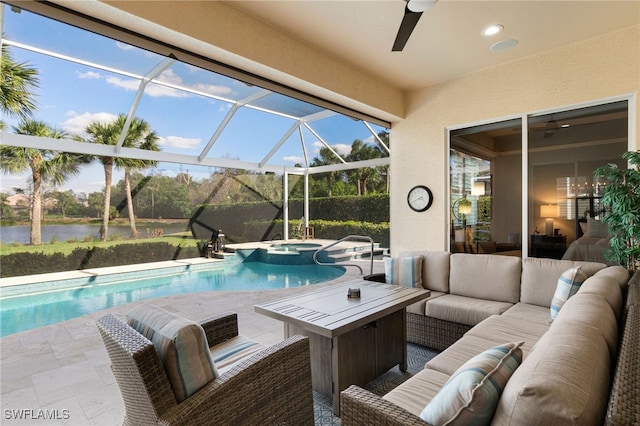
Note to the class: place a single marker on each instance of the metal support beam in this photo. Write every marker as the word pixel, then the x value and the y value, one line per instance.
pixel 375 135
pixel 155 72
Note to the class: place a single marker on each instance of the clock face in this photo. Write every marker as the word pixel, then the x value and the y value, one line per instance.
pixel 420 198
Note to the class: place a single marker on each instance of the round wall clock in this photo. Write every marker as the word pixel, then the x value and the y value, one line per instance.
pixel 420 198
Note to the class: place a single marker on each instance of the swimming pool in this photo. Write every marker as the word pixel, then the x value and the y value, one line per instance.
pixel 31 306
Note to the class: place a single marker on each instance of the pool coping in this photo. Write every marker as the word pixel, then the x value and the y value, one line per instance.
pixel 98 272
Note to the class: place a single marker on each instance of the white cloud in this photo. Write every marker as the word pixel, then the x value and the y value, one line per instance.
pixel 294 159
pixel 88 74
pixel 341 148
pixel 128 84
pixel 124 46
pixel 212 89
pixel 78 122
pixel 179 142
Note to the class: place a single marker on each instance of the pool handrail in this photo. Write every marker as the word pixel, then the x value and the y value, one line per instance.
pixel 347 238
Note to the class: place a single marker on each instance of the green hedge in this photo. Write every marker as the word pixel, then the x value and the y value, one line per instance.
pixel 261 221
pixel 19 264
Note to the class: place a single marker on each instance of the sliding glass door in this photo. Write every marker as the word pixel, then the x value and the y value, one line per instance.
pixel 486 188
pixel 527 194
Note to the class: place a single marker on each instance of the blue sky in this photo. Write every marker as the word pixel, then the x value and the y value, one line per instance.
pixel 71 95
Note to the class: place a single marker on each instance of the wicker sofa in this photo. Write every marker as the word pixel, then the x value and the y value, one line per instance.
pixel 565 375
pixel 269 386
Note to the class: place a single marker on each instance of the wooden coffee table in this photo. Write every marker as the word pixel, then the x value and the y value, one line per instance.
pixel 352 341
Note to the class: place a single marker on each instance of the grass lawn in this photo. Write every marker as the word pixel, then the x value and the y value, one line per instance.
pixel 66 248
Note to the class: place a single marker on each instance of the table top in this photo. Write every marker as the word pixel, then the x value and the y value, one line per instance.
pixel 329 312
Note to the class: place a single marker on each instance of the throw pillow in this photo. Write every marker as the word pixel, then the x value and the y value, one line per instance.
pixel 406 271
pixel 471 394
pixel 568 284
pixel 182 347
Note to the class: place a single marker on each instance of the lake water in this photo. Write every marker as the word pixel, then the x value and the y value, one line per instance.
pixel 62 233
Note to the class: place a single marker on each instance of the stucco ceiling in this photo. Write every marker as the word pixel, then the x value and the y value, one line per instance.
pixel 447 40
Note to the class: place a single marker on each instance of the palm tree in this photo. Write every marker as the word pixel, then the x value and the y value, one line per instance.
pixel 149 143
pixel 324 158
pixel 17 80
pixel 138 135
pixel 45 165
pixel 360 152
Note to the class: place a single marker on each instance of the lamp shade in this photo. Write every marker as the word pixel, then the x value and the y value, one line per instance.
pixel 464 207
pixel 548 210
pixel 477 189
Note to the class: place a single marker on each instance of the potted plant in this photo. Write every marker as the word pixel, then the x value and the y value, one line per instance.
pixel 621 198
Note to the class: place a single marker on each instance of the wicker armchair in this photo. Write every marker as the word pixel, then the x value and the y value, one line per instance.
pixel 271 387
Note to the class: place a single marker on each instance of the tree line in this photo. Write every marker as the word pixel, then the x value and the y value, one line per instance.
pixel 150 195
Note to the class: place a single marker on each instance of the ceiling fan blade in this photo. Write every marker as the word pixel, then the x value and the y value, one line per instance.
pixel 409 21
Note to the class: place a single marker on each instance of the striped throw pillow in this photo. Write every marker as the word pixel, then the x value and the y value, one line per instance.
pixel 182 347
pixel 568 284
pixel 471 394
pixel 406 271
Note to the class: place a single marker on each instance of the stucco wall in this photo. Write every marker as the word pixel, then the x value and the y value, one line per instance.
pixel 599 68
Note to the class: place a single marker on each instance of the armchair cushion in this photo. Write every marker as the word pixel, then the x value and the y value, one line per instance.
pixel 181 345
pixel 406 271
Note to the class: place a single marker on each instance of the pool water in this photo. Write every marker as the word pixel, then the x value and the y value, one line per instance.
pixel 38 305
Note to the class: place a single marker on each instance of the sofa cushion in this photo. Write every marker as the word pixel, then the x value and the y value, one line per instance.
pixel 435 268
pixel 420 307
pixel 605 287
pixel 181 345
pixel 617 273
pixel 593 311
pixel 405 271
pixel 563 381
pixel 413 395
pixel 452 358
pixel 471 395
pixel 540 277
pixel 500 328
pixel 531 313
pixel 464 310
pixel 568 284
pixel 469 277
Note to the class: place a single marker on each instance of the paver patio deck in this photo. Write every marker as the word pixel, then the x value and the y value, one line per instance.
pixel 63 370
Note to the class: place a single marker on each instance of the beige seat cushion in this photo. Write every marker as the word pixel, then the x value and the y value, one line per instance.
pixel 530 313
pixel 563 381
pixel 500 329
pixel 420 307
pixel 414 394
pixel 227 354
pixel 452 358
pixel 464 310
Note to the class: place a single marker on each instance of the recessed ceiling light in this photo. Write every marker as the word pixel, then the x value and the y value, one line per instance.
pixel 492 30
pixel 504 45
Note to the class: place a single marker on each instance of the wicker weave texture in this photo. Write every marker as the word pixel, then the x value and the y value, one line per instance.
pixel 433 332
pixel 361 407
pixel 271 387
pixel 624 402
